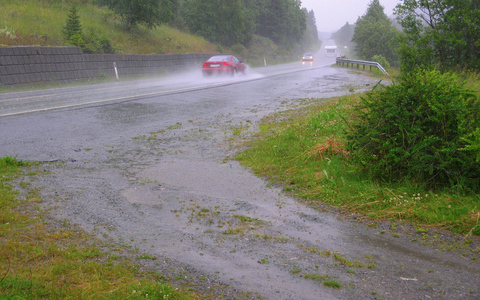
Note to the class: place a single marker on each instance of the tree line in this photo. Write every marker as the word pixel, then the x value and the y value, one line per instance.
pixel 443 34
pixel 226 23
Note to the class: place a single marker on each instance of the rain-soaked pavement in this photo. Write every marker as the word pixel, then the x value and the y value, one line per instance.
pixel 146 163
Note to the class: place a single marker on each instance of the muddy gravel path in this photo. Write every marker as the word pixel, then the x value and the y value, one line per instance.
pixel 155 174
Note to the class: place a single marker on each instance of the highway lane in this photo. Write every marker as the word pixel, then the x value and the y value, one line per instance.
pixel 68 97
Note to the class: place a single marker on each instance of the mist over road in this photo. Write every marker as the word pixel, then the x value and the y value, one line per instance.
pixel 146 163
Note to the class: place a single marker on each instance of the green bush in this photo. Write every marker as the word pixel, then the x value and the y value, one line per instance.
pixel 419 129
pixel 382 60
pixel 95 44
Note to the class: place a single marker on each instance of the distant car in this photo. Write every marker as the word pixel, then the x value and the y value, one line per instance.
pixel 307 57
pixel 223 64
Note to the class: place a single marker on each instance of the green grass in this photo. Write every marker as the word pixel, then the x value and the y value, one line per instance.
pixel 303 149
pixel 40 261
pixel 40 22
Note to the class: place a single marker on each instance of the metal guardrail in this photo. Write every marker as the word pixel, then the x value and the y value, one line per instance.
pixel 342 61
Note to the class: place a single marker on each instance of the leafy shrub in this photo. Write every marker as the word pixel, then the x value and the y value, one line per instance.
pixel 420 130
pixel 95 44
pixel 381 60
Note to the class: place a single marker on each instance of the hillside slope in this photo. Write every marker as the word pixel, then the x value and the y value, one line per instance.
pixel 37 22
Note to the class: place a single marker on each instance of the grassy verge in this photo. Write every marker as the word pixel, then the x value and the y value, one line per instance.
pixel 303 150
pixel 41 261
pixel 40 22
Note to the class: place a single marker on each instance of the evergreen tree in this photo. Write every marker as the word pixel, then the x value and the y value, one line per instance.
pixel 72 31
pixel 374 34
pixel 218 21
pixel 310 41
pixel 283 21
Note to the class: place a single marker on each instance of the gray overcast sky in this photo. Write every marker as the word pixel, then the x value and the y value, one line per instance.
pixel 331 15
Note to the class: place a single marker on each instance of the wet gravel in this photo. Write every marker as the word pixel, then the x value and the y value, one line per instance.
pixel 155 174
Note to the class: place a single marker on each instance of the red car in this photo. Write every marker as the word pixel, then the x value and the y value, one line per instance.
pixel 223 64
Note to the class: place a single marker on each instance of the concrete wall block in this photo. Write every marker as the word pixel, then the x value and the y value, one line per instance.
pixel 84 73
pixel 45 77
pixel 29 78
pixel 25 78
pixel 40 59
pixel 49 59
pixel 29 59
pixel 68 75
pixel 59 76
pixel 69 66
pixel 24 50
pixel 48 50
pixel 6 80
pixel 24 59
pixel 16 51
pixel 15 69
pixel 62 58
pixel 35 68
pixel 81 74
pixel 20 69
pixel 42 68
pixel 4 51
pixel 41 77
pixel 76 58
pixel 15 59
pixel 10 69
pixel 29 50
pixel 8 59
pixel 3 79
pixel 65 67
pixel 16 79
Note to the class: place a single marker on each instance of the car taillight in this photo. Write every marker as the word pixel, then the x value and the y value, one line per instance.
pixel 204 64
pixel 225 63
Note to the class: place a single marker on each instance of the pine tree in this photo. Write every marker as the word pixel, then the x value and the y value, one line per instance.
pixel 73 28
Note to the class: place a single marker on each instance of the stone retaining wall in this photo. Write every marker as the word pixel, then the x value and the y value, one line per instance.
pixel 27 65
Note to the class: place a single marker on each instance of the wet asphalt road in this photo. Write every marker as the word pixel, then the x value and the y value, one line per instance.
pixel 145 163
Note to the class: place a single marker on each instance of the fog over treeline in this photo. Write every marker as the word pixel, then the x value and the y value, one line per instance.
pixel 236 21
pixel 227 23
pixel 433 33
